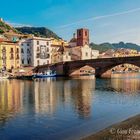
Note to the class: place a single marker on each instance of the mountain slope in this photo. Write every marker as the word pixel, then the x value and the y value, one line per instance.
pixel 38 31
pixel 126 46
pixel 105 46
pixel 4 27
pixel 102 47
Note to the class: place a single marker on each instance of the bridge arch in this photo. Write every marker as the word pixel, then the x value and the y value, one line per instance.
pixel 100 66
pixel 111 66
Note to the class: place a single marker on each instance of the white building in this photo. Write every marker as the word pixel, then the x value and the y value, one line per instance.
pixel 82 53
pixel 35 51
pixel 26 56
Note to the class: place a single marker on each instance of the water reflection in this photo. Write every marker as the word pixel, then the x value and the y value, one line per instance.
pixel 44 108
pixel 10 99
pixel 45 96
pixel 49 94
pixel 82 92
pixel 126 83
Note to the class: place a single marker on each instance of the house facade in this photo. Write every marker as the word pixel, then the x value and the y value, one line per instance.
pixel 35 51
pixel 9 55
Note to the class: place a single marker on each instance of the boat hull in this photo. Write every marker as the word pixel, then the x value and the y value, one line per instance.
pixel 44 76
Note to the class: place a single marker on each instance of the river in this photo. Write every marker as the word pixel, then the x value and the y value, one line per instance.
pixel 65 108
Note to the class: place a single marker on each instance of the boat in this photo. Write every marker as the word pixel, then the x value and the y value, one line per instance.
pixel 24 77
pixel 47 74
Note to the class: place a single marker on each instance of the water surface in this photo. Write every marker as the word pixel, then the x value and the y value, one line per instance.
pixel 65 108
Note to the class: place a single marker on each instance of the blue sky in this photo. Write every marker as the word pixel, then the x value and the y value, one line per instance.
pixel 108 20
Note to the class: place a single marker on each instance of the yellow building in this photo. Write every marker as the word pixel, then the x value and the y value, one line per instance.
pixel 9 55
pixel 58 42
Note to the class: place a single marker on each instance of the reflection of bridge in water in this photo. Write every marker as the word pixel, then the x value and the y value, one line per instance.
pixel 101 65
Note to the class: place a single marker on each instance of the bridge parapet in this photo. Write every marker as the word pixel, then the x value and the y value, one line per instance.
pixel 101 65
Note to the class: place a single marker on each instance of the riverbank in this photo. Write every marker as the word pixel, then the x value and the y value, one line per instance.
pixel 126 130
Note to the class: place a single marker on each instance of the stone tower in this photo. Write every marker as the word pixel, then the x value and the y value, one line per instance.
pixel 82 37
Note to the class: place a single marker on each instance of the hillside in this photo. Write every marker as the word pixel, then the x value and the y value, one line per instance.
pixel 126 45
pixel 4 27
pixel 38 31
pixel 105 46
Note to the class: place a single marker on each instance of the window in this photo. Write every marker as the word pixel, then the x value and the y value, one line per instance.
pixel 17 50
pixel 85 33
pixel 28 60
pixel 37 48
pixel 37 42
pixel 12 56
pixel 86 54
pixel 22 50
pixel 17 56
pixel 28 51
pixel 37 55
pixel 47 43
pixel 47 55
pixel 22 61
pixel 12 50
pixel 28 44
pixel 12 67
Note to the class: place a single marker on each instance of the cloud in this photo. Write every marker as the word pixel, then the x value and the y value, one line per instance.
pixel 18 24
pixel 101 17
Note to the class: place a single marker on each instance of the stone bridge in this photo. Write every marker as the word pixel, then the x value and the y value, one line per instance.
pixel 101 65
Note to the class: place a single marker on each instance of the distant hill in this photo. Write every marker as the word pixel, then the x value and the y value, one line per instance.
pixel 38 31
pixel 105 46
pixel 4 27
pixel 126 46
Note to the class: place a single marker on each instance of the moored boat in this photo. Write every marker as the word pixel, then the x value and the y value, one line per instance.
pixel 25 77
pixel 47 74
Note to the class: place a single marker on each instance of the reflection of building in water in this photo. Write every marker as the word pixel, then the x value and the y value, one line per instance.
pixel 64 91
pixel 27 89
pixel 125 83
pixel 45 93
pixel 10 98
pixel 82 96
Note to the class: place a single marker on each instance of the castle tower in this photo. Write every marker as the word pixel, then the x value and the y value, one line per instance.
pixel 82 37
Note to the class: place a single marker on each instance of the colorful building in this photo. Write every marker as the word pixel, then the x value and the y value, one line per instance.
pixel 35 51
pixel 9 55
